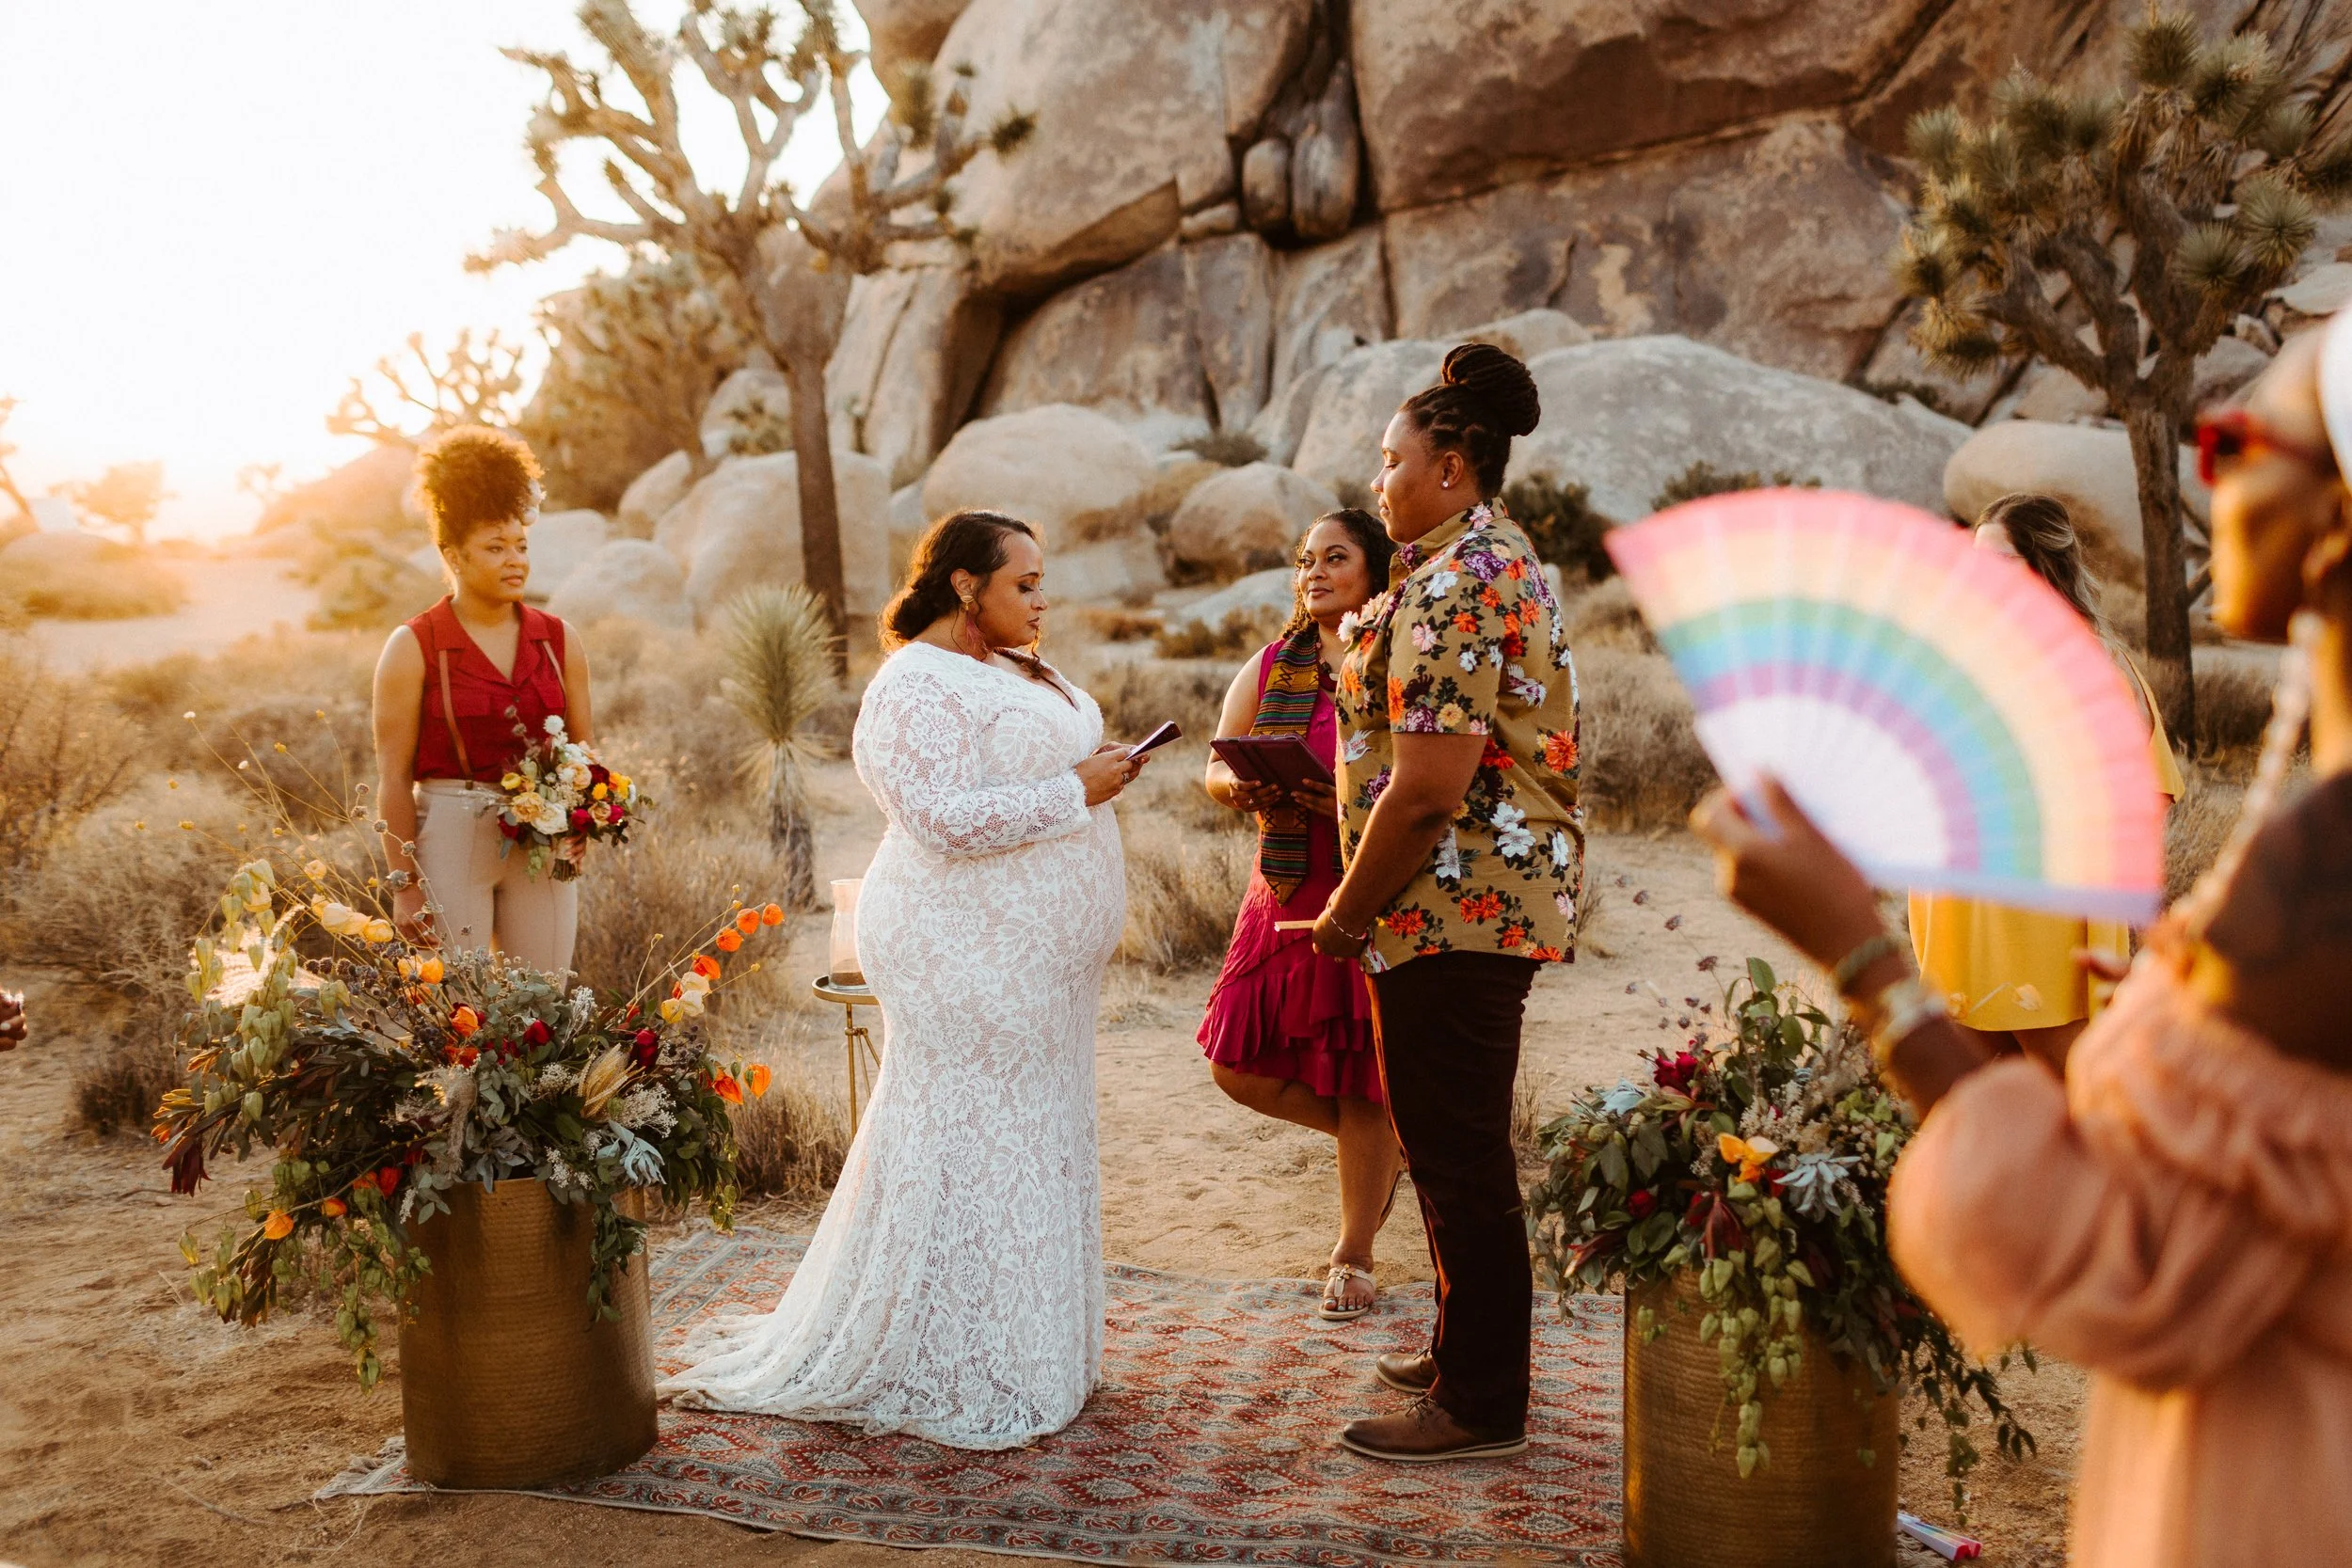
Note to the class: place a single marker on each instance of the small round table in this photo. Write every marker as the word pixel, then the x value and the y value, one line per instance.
pixel 855 1040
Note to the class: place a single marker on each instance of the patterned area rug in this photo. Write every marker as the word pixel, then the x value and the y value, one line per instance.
pixel 1209 1440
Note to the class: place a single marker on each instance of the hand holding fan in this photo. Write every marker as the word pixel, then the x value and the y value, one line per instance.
pixel 1945 718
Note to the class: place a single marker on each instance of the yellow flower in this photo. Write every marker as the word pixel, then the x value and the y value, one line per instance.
pixel 601 791
pixel 620 782
pixel 430 972
pixel 1750 1154
pixel 671 1011
pixel 378 931
pixel 1450 715
pixel 512 781
pixel 315 870
pixel 279 1226
pixel 2029 999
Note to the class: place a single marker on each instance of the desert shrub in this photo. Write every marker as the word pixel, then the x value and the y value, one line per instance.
pixel 1139 695
pixel 118 1089
pixel 1240 632
pixel 682 869
pixel 61 756
pixel 2197 825
pixel 1234 449
pixel 1703 477
pixel 1605 617
pixel 128 583
pixel 790 1141
pixel 1169 791
pixel 1562 525
pixel 1641 763
pixel 2232 710
pixel 1183 891
pixel 661 714
pixel 1117 625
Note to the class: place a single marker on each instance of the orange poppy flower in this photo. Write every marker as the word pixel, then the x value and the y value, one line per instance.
pixel 279 1226
pixel 464 1021
pixel 706 966
pixel 756 1079
pixel 747 921
pixel 728 939
pixel 771 916
pixel 728 1090
pixel 332 1208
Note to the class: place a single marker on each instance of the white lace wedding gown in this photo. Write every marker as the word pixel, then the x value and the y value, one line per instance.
pixel 954 1288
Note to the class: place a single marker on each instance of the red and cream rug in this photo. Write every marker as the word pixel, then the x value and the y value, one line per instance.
pixel 1209 1440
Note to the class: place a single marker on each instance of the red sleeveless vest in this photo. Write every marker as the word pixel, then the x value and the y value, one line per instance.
pixel 467 727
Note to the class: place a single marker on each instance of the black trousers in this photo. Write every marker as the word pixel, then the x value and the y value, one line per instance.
pixel 1448 1029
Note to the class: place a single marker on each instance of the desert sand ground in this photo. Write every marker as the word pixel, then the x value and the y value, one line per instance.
pixel 136 1430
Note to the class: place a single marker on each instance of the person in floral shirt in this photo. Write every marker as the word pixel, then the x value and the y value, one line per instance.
pixel 1464 848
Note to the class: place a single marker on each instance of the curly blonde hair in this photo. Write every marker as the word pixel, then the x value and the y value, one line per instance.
pixel 471 476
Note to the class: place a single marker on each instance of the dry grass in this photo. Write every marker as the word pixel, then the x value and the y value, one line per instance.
pixel 61 756
pixel 133 583
pixel 1137 695
pixel 681 872
pixel 1643 767
pixel 1603 616
pixel 1183 891
pixel 2199 824
pixel 2232 710
pixel 790 1141
pixel 1240 632
pixel 661 715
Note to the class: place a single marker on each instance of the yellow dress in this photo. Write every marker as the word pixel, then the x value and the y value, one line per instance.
pixel 2003 968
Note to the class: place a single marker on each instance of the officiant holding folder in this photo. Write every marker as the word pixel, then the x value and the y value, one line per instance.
pixel 1288 1032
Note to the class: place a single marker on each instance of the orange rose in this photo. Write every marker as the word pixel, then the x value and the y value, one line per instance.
pixel 756 1079
pixel 729 940
pixel 729 1090
pixel 279 1226
pixel 706 966
pixel 747 922
pixel 771 916
pixel 332 1208
pixel 464 1021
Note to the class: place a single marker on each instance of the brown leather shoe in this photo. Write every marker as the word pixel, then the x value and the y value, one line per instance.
pixel 1426 1434
pixel 1415 1373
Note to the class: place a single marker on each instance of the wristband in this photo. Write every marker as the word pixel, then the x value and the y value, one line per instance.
pixel 1362 936
pixel 1882 945
pixel 1898 1013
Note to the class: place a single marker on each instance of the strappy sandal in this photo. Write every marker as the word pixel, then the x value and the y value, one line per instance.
pixel 1335 1308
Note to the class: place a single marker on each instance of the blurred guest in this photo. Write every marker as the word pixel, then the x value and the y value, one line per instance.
pixel 11 1020
pixel 1288 1031
pixel 2010 973
pixel 1465 854
pixel 453 690
pixel 2176 1214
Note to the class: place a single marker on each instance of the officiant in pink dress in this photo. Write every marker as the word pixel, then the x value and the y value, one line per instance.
pixel 1288 1032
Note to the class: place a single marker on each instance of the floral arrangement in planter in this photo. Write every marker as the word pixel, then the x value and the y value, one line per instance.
pixel 382 1074
pixel 1756 1158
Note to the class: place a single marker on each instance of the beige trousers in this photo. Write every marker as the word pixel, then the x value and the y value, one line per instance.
pixel 479 898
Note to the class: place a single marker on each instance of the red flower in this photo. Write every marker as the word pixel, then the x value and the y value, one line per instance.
pixel 1494 755
pixel 1479 907
pixel 1642 1204
pixel 537 1033
pixel 512 830
pixel 388 1179
pixel 1560 749
pixel 598 774
pixel 581 820
pixel 647 1039
pixel 620 811
pixel 1678 1074
pixel 1406 923
pixel 414 1157
pixel 747 921
pixel 1514 645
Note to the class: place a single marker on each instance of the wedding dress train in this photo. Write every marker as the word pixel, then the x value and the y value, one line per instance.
pixel 954 1288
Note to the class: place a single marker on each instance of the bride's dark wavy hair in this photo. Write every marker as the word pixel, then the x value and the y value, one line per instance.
pixel 968 541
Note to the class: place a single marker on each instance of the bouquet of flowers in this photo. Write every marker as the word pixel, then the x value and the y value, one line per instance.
pixel 1757 1161
pixel 557 794
pixel 382 1075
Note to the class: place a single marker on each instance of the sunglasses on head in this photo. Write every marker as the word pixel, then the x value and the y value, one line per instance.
pixel 2226 435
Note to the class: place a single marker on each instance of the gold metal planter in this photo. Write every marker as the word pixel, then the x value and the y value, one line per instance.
pixel 504 1380
pixel 1814 1505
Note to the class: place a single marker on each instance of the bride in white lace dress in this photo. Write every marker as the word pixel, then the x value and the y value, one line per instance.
pixel 954 1288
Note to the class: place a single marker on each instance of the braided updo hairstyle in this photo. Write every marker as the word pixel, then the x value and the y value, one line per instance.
pixel 472 476
pixel 968 541
pixel 1483 399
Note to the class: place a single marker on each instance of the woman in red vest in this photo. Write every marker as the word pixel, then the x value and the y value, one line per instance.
pixel 453 690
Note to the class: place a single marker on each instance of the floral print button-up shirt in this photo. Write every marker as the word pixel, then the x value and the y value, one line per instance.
pixel 1467 640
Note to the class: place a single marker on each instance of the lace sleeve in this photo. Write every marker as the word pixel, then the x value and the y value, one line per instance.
pixel 917 749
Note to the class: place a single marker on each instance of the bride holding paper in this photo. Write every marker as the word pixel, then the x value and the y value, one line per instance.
pixel 1288 1032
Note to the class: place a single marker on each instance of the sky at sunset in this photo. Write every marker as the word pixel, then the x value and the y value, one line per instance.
pixel 214 213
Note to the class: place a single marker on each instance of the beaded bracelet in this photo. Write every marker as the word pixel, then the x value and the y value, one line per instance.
pixel 1884 944
pixel 1899 1012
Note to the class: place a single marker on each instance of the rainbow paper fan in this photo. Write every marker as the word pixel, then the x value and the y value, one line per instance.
pixel 1943 716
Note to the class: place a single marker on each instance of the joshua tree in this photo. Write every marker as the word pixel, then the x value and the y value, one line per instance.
pixel 127 494
pixel 469 385
pixel 778 653
pixel 2155 216
pixel 792 263
pixel 653 343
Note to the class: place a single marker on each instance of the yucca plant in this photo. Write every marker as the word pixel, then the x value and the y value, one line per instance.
pixel 778 645
pixel 2155 214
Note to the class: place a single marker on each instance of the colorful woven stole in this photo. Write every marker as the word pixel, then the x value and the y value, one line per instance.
pixel 1287 706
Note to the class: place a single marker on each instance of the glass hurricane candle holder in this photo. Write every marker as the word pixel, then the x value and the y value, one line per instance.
pixel 844 970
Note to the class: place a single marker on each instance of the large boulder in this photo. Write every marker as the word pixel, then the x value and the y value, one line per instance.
pixel 1772 245
pixel 1456 99
pixel 1071 473
pixel 2087 467
pixel 754 401
pixel 1340 445
pixel 1264 595
pixel 906 32
pixel 651 495
pixel 1139 106
pixel 1247 519
pixel 1108 571
pixel 1328 301
pixel 560 542
pixel 741 525
pixel 1282 424
pixel 907 525
pixel 628 578
pixel 915 341
pixel 1625 416
pixel 1529 334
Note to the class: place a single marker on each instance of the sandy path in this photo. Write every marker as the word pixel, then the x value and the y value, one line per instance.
pixel 134 1430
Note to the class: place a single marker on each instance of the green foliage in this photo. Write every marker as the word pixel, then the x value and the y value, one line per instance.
pixel 1561 524
pixel 778 648
pixel 1758 1159
pixel 1703 477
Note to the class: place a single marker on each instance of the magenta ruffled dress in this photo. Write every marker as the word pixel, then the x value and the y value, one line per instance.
pixel 1280 1009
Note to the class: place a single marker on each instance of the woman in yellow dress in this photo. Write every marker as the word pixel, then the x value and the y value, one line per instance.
pixel 2010 974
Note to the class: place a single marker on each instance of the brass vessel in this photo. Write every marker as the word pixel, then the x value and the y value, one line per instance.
pixel 505 1380
pixel 1814 1504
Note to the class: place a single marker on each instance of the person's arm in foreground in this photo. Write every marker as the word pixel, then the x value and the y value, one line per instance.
pixel 399 705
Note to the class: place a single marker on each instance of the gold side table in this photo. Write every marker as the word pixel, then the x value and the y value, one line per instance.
pixel 855 1042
